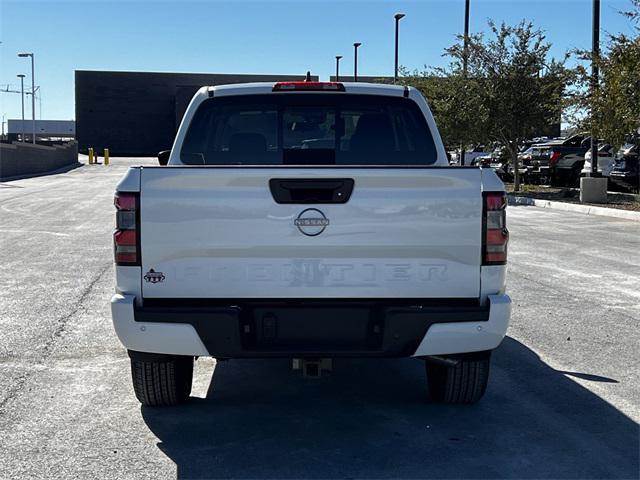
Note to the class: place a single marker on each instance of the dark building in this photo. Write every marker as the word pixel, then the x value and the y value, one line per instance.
pixel 138 113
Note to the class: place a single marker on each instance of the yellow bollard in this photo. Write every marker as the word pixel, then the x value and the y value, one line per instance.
pixel 106 156
pixel 90 155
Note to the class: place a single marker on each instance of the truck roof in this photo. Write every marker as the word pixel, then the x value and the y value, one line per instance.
pixel 256 88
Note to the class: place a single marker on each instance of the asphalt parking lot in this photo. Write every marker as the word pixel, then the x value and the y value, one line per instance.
pixel 563 400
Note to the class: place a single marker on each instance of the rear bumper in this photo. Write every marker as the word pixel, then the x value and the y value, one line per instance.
pixel 567 171
pixel 310 329
pixel 629 180
pixel 588 173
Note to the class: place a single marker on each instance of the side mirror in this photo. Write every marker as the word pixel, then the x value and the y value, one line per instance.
pixel 163 157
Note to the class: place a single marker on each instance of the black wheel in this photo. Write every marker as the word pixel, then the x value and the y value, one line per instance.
pixel 465 382
pixel 574 181
pixel 162 382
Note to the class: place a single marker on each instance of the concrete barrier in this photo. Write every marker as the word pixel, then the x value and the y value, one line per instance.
pixel 19 159
pixel 576 208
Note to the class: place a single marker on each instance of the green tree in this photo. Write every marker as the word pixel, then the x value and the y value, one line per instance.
pixel 512 90
pixel 454 103
pixel 612 109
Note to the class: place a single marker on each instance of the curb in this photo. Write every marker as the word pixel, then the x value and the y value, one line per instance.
pixel 570 207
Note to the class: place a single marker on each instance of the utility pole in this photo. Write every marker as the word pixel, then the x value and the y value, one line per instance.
pixel 23 93
pixel 355 61
pixel 338 57
pixel 397 16
pixel 595 59
pixel 39 98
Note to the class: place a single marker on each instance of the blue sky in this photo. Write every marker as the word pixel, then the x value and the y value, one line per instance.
pixel 254 37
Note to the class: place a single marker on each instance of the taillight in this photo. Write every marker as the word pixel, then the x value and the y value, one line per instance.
pixel 318 86
pixel 555 156
pixel 126 238
pixel 495 235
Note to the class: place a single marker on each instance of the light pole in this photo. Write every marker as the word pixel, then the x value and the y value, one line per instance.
pixel 355 61
pixel 397 16
pixel 466 36
pixel 33 90
pixel 21 77
pixel 338 57
pixel 465 54
pixel 595 58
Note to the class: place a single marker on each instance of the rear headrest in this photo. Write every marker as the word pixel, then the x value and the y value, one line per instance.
pixel 247 143
pixel 373 132
pixel 373 122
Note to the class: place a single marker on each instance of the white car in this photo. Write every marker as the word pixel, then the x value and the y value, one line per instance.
pixel 309 220
pixel 469 155
pixel 606 161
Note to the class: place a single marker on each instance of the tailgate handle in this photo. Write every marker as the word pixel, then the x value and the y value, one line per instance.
pixel 311 190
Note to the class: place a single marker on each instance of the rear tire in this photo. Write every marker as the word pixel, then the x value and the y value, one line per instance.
pixel 463 383
pixel 162 383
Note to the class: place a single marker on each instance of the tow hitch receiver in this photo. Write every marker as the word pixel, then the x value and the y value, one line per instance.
pixel 312 367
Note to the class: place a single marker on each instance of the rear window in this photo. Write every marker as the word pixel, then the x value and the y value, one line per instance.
pixel 308 129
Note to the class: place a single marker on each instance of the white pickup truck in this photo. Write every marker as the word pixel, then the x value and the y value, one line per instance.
pixel 309 220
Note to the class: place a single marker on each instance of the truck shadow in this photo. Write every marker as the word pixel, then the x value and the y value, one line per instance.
pixel 372 418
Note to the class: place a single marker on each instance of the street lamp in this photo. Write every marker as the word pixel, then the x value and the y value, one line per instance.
pixel 355 61
pixel 465 47
pixel 21 77
pixel 595 57
pixel 465 61
pixel 338 57
pixel 397 16
pixel 33 90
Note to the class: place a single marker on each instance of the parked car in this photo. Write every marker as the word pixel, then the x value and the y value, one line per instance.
pixel 469 155
pixel 626 171
pixel 534 165
pixel 534 154
pixel 540 139
pixel 565 159
pixel 606 161
pixel 248 244
pixel 497 155
pixel 482 160
pixel 526 144
pixel 503 169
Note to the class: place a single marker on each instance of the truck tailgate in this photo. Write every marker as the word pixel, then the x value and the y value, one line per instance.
pixel 218 233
